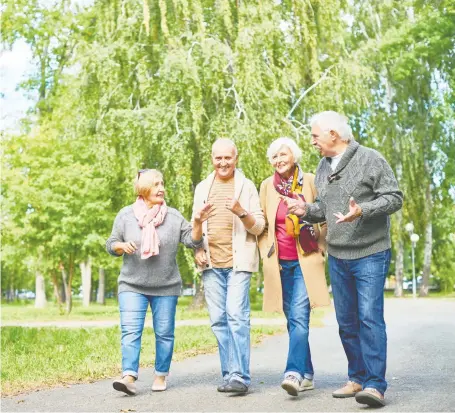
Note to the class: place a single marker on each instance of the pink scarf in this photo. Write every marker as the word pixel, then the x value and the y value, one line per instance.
pixel 148 219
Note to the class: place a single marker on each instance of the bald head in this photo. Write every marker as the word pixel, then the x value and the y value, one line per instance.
pixel 224 144
pixel 224 158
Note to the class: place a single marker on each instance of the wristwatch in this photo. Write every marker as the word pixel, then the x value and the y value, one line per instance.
pixel 243 215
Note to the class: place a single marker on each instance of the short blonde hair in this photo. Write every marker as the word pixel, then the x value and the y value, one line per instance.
pixel 276 145
pixel 145 180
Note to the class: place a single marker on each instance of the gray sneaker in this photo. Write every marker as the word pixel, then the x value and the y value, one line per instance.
pixel 291 384
pixel 126 385
pixel 306 384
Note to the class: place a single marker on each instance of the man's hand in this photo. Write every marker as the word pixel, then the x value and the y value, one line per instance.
pixel 200 257
pixel 128 247
pixel 205 213
pixel 296 205
pixel 234 206
pixel 354 212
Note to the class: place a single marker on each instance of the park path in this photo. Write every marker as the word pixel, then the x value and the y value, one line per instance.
pixel 421 374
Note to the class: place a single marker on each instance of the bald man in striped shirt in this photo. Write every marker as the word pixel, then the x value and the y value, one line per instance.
pixel 227 260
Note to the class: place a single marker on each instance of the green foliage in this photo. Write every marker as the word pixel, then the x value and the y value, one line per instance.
pixel 124 85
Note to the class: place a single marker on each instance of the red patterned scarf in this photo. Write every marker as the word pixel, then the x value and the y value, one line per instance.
pixel 296 227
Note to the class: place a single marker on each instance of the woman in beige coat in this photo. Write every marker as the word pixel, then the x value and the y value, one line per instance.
pixel 293 259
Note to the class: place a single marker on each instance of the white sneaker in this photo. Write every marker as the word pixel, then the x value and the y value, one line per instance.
pixel 306 384
pixel 291 384
pixel 126 385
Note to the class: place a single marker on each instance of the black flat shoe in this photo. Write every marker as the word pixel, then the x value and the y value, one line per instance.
pixel 370 397
pixel 236 386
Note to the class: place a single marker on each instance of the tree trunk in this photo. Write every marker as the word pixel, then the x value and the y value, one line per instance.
pixel 399 263
pixel 64 285
pixel 56 288
pixel 428 237
pixel 40 291
pixel 199 298
pixel 101 287
pixel 86 273
pixel 69 294
pixel 10 295
pixel 427 260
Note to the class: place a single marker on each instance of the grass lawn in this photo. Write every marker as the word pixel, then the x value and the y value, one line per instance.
pixel 24 311
pixel 34 358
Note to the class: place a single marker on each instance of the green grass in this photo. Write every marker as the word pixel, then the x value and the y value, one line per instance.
pixel 433 294
pixel 34 358
pixel 26 312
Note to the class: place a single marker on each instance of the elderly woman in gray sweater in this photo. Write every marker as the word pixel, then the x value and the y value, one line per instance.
pixel 147 234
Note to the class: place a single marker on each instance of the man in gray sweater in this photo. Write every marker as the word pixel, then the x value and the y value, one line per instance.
pixel 357 191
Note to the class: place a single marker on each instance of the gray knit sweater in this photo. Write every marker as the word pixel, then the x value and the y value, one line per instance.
pixel 157 275
pixel 365 175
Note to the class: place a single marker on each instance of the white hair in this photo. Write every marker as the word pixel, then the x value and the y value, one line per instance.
pixel 276 145
pixel 331 120
pixel 226 141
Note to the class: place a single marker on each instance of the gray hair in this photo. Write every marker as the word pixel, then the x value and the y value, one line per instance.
pixel 289 143
pixel 330 120
pixel 225 141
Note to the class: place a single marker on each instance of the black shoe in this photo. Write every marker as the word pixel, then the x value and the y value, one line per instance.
pixel 371 397
pixel 236 386
pixel 222 387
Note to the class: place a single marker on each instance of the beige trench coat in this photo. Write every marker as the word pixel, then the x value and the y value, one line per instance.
pixel 312 265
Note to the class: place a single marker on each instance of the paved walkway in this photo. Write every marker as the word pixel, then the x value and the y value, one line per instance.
pixel 421 374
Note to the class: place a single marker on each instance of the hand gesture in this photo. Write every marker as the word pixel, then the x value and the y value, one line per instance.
pixel 234 206
pixel 128 247
pixel 200 257
pixel 354 212
pixel 296 205
pixel 205 213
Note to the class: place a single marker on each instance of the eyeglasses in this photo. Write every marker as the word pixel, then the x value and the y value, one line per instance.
pixel 141 171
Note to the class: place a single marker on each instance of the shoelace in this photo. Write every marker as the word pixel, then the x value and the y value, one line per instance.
pixel 293 379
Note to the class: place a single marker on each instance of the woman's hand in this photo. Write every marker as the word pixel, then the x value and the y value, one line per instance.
pixel 205 213
pixel 128 247
pixel 296 205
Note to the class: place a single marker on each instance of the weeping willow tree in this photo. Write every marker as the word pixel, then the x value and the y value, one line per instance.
pixel 129 84
pixel 154 84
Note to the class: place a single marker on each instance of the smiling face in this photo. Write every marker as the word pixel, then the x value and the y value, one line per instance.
pixel 224 160
pixel 283 161
pixel 324 141
pixel 150 186
pixel 157 191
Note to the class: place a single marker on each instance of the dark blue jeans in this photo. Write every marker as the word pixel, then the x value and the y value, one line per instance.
pixel 358 294
pixel 296 308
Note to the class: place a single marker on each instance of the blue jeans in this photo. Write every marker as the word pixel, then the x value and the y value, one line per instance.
pixel 296 307
pixel 228 301
pixel 133 308
pixel 358 294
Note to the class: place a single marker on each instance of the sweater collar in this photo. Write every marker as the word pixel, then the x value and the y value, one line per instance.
pixel 351 149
